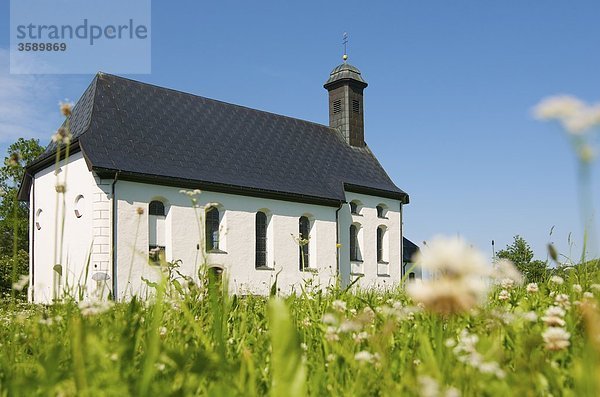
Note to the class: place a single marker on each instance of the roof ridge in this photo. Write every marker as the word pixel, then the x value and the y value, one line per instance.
pixel 215 100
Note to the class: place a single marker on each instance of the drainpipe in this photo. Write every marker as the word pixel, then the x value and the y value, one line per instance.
pixel 113 230
pixel 402 266
pixel 337 238
pixel 32 212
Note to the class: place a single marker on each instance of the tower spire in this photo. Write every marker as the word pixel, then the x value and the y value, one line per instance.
pixel 345 42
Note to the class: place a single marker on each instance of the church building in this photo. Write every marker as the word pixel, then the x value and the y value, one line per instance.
pixel 250 195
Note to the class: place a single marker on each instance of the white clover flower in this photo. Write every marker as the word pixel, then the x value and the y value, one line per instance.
pixel 416 362
pixel 304 346
pixel 350 326
pixel 577 288
pixel 162 331
pixel 339 305
pixel 91 308
pixel 21 283
pixel 330 319
pixel 558 280
pixel 459 282
pixel 588 295
pixel 556 338
pixel 331 334
pixel 508 274
pixel 562 300
pixel 363 356
pixel 532 288
pixel 504 295
pixel 331 357
pixel 595 287
pixel 359 337
pixel 553 317
pixel 429 387
pixel 530 316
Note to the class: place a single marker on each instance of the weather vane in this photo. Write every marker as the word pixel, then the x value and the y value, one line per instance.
pixel 345 42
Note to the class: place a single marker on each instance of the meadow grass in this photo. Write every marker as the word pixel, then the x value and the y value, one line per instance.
pixel 199 340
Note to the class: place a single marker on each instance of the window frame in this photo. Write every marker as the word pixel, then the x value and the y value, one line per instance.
pixel 261 224
pixel 212 227
pixel 304 227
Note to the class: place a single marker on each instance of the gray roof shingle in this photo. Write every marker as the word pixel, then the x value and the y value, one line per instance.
pixel 170 137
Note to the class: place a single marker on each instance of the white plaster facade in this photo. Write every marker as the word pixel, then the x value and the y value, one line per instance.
pixel 88 245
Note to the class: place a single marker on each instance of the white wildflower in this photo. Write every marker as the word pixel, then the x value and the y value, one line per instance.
pixel 557 280
pixel 508 274
pixel 556 338
pixel 359 337
pixel 331 334
pixel 504 295
pixel 429 387
pixel 363 356
pixel 304 346
pixel 530 316
pixel 553 317
pixel 532 288
pixel 562 300
pixel 459 271
pixel 339 305
pixel 595 287
pixel 575 116
pixel 162 331
pixel 21 283
pixel 577 288
pixel 588 295
pixel 91 308
pixel 350 326
pixel 330 357
pixel 329 319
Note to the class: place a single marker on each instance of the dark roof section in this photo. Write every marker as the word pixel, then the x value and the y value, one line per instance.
pixel 409 249
pixel 163 136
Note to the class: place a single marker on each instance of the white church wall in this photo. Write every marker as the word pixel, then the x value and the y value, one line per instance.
pixel 184 237
pixel 77 233
pixel 372 274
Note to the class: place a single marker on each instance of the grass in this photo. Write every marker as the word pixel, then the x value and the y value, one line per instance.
pixel 334 342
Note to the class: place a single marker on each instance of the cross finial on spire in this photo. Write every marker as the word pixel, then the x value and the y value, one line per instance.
pixel 345 42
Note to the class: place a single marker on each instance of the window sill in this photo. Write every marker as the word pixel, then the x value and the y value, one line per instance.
pixel 309 270
pixel 383 275
pixel 217 251
pixel 265 268
pixel 356 261
pixel 383 263
pixel 357 273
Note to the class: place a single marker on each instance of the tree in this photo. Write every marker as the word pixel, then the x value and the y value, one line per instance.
pixel 14 215
pixel 521 254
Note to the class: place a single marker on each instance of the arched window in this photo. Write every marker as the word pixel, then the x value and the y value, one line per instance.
pixel 304 234
pixel 261 239
pixel 380 233
pixel 156 208
pixel 354 243
pixel 354 207
pixel 156 231
pixel 380 212
pixel 212 229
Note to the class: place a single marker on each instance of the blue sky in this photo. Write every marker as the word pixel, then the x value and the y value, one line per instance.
pixel 447 110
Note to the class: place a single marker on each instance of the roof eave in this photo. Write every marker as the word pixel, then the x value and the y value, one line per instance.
pixel 215 187
pixel 42 163
pixel 397 195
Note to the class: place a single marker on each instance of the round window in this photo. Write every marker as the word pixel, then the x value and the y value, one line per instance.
pixel 38 216
pixel 79 206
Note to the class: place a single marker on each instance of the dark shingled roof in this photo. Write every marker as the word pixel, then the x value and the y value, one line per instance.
pixel 409 249
pixel 158 135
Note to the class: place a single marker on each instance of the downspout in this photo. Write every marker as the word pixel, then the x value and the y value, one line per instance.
pixel 113 230
pixel 402 265
pixel 32 242
pixel 337 239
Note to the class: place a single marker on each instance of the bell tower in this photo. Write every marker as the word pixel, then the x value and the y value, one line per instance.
pixel 345 86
